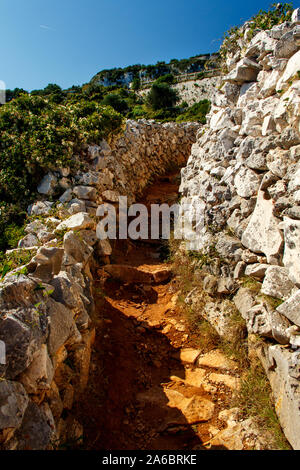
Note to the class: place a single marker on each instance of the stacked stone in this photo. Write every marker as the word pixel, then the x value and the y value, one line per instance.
pixel 46 308
pixel 244 173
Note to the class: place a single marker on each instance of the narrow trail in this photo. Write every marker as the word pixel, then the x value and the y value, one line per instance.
pixel 150 387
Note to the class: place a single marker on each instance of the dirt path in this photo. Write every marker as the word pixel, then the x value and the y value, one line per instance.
pixel 149 387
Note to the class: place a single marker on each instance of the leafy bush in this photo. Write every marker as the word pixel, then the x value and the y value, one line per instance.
pixel 37 135
pixel 11 224
pixel 116 102
pixel 136 84
pixel 168 78
pixel 138 112
pixel 161 96
pixel 197 112
pixel 13 260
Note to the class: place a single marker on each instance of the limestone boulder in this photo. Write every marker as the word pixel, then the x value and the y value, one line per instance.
pixel 277 283
pixel 40 208
pixel 46 263
pixel 290 71
pixel 296 16
pixel 38 376
pixel 21 341
pixel 75 248
pixel 62 328
pixel 291 256
pixel 290 308
pixel 262 43
pixel 262 234
pixel 282 368
pixel 246 182
pixel 66 196
pixel 81 220
pixel 244 300
pixel 246 70
pixel 257 270
pixel 28 241
pixel 286 46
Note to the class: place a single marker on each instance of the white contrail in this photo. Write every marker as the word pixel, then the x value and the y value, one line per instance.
pixel 44 26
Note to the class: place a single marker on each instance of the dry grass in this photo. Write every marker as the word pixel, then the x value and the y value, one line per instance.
pixel 254 399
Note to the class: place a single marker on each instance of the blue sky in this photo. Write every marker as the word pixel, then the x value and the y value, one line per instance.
pixel 68 41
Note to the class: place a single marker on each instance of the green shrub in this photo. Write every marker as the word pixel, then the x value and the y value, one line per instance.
pixel 12 218
pixel 161 96
pixel 116 102
pixel 11 261
pixel 138 112
pixel 13 233
pixel 196 112
pixel 168 78
pixel 136 84
pixel 37 135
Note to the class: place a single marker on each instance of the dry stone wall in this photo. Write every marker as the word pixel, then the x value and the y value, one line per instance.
pixel 47 306
pixel 244 170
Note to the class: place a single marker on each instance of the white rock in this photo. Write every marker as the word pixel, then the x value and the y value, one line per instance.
pixel 293 66
pixel 40 208
pixel 257 270
pixel 296 16
pixel 268 126
pixel 220 120
pixel 34 226
pixel 291 257
pixel 262 234
pixel 76 221
pixel 111 196
pixel 28 241
pixel 282 368
pixel 246 182
pixel 277 283
pixel 290 308
pixel 246 70
pixel 269 83
pixel 76 205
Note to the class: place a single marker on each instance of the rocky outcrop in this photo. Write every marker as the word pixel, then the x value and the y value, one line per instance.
pixel 243 175
pixel 47 306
